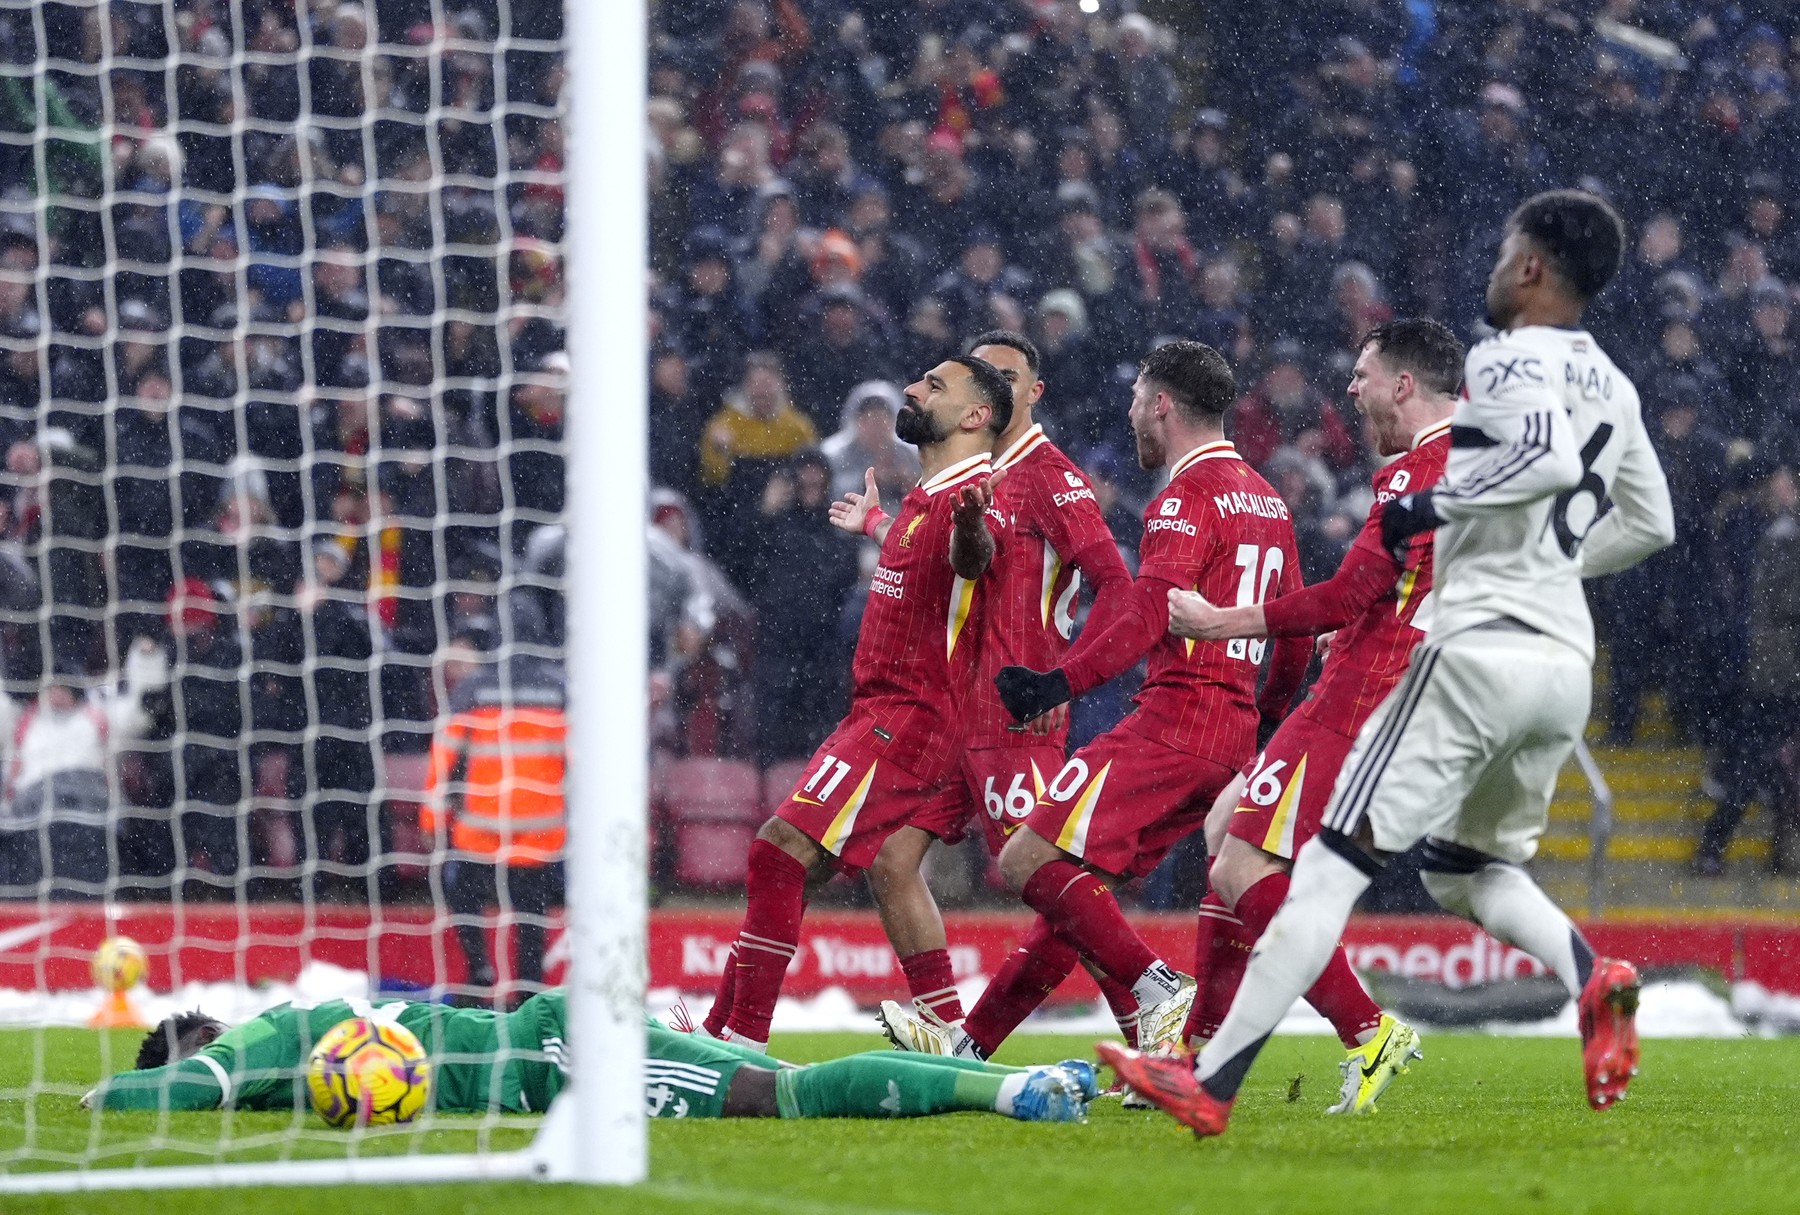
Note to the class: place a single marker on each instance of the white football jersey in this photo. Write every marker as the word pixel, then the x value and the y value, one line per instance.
pixel 1551 478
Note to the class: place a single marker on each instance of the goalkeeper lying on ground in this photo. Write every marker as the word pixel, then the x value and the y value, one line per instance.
pixel 515 1063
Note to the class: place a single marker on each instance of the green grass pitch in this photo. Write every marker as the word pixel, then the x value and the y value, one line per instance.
pixel 1483 1124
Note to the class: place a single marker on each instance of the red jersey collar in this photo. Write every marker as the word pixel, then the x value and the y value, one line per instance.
pixel 1433 431
pixel 962 470
pixel 1219 449
pixel 1027 443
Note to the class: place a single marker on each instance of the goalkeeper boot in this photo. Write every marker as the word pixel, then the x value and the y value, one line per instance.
pixel 1371 1067
pixel 1609 1042
pixel 1169 1085
pixel 922 1031
pixel 1083 1072
pixel 1051 1094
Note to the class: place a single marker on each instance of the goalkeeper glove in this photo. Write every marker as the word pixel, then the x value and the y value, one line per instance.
pixel 1027 693
pixel 1404 518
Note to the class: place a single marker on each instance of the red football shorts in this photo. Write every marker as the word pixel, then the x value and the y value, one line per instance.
pixel 1289 786
pixel 850 800
pixel 1123 801
pixel 1004 784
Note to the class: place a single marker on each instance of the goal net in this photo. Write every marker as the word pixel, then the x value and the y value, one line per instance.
pixel 293 667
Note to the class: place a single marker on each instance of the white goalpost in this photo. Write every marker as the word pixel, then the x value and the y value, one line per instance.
pixel 437 169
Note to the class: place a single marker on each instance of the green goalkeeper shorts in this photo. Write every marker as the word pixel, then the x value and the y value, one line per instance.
pixel 688 1075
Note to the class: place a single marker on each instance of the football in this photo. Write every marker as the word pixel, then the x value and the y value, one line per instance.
pixel 118 965
pixel 365 1072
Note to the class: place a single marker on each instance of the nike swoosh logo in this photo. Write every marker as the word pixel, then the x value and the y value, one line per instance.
pixel 806 800
pixel 28 932
pixel 1369 1070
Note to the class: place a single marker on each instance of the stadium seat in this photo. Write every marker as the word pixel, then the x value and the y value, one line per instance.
pixel 712 854
pixel 727 790
pixel 779 780
pixel 714 807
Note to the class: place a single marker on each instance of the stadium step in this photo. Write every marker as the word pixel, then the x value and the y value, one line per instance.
pixel 1659 806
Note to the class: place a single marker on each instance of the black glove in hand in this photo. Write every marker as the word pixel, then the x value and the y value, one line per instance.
pixel 1027 693
pixel 1404 518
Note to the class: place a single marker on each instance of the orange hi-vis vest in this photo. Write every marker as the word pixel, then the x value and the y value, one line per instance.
pixel 497 780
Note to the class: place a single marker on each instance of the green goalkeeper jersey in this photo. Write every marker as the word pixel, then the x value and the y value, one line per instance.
pixel 481 1060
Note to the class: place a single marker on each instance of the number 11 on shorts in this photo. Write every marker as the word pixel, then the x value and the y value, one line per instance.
pixel 837 769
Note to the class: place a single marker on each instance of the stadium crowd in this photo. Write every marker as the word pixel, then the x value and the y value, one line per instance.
pixel 283 378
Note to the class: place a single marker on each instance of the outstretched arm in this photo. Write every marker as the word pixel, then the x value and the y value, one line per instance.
pixel 971 541
pixel 1323 607
pixel 190 1084
pixel 861 514
pixel 1142 616
pixel 1099 654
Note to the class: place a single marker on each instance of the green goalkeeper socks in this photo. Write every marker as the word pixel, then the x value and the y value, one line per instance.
pixel 890 1084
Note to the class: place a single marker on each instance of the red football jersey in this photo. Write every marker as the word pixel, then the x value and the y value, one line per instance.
pixel 921 634
pixel 1371 653
pixel 1222 530
pixel 1030 592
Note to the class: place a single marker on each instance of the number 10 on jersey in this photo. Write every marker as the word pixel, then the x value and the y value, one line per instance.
pixel 1261 569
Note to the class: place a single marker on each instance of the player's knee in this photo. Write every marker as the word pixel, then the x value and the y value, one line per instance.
pixel 794 842
pixel 893 869
pixel 1025 853
pixel 1218 819
pixel 1454 875
pixel 1358 849
pixel 1240 866
pixel 1452 891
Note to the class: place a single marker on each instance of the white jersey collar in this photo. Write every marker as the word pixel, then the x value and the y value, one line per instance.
pixel 1022 447
pixel 960 471
pixel 1429 433
pixel 1218 449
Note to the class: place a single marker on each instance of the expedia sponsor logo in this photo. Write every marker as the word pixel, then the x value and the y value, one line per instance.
pixel 888 582
pixel 1070 496
pixel 1172 525
pixel 1240 503
pixel 1478 959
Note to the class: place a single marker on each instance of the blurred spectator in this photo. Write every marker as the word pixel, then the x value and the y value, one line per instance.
pixel 865 439
pixel 1282 410
pixel 1766 713
pixel 58 815
pixel 707 659
pixel 212 710
pixel 496 814
pixel 1659 610
pixel 758 428
pixel 1072 403
pixel 808 570
pixel 342 778
pixel 841 349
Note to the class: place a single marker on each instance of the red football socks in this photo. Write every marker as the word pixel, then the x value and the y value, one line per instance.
pixel 1338 994
pixel 1123 1004
pixel 933 986
pixel 1220 955
pixel 720 1011
pixel 1084 912
pixel 1029 973
pixel 776 887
